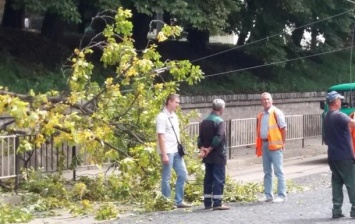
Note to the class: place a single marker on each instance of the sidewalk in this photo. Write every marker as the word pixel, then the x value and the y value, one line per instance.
pixel 306 166
pixel 245 156
pixel 246 167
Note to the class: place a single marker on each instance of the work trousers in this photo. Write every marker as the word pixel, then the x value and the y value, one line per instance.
pixel 213 185
pixel 343 173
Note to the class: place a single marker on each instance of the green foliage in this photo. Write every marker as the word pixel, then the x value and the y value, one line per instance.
pixel 95 195
pixel 11 214
pixel 84 207
pixel 118 190
pixel 45 184
pixel 18 76
pixel 155 201
pixel 112 121
pixel 79 191
pixel 92 189
pixel 241 192
pixel 38 203
pixel 292 187
pixel 66 9
pixel 106 211
pixel 196 13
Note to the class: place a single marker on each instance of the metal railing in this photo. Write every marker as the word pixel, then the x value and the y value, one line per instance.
pixel 242 132
pixel 50 157
pixel 8 157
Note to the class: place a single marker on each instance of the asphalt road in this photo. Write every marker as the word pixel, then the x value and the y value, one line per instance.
pixel 310 206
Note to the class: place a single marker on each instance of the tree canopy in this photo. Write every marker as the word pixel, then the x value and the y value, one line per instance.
pixel 113 121
pixel 268 31
pixel 93 114
pixel 254 19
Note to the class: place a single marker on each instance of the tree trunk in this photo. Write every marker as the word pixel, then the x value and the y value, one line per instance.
pixel 141 28
pixel 53 27
pixel 87 12
pixel 81 9
pixel 198 39
pixel 297 36
pixel 12 18
pixel 241 39
pixel 314 35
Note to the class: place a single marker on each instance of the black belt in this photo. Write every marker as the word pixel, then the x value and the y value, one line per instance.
pixel 264 140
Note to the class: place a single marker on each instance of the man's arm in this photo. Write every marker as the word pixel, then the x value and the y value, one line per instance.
pixel 283 135
pixel 161 142
pixel 217 139
pixel 203 152
pixel 281 122
pixel 351 123
pixel 199 139
pixel 161 127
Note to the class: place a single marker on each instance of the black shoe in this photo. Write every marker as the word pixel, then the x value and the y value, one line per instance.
pixel 337 216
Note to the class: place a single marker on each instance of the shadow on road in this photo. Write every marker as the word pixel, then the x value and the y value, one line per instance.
pixel 316 220
pixel 312 162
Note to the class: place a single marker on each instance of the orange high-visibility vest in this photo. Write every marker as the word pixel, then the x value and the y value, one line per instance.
pixel 274 134
pixel 352 132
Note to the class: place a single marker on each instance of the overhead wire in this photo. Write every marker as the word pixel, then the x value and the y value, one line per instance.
pixel 274 35
pixel 278 62
pixel 267 38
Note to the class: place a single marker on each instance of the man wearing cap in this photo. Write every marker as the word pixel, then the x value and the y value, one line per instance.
pixel 212 145
pixel 340 154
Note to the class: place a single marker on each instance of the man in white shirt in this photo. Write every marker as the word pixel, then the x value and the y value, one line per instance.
pixel 168 133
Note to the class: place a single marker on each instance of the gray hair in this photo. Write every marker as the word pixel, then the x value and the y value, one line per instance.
pixel 266 94
pixel 218 104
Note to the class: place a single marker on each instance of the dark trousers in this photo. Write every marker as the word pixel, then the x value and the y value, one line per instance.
pixel 343 173
pixel 213 185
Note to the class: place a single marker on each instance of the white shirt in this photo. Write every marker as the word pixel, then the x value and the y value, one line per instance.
pixel 165 127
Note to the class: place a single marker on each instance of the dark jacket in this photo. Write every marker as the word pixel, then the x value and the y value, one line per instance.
pixel 212 133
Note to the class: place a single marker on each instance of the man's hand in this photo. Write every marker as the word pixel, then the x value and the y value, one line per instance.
pixel 204 152
pixel 165 159
pixel 283 147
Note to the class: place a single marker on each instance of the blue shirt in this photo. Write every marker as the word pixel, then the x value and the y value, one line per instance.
pixel 264 126
pixel 337 136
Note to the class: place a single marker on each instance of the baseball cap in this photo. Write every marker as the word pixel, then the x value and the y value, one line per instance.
pixel 333 95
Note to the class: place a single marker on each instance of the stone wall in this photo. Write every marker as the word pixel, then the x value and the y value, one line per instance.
pixel 2 5
pixel 248 105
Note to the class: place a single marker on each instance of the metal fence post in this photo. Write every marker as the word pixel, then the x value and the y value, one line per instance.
pixel 304 129
pixel 229 138
pixel 74 165
pixel 17 163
